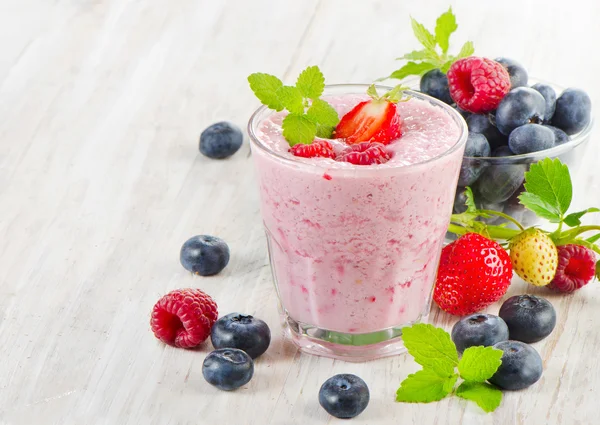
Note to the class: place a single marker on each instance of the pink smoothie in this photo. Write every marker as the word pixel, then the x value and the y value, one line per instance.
pixel 353 248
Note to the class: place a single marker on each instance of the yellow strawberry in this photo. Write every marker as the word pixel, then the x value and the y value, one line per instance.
pixel 534 257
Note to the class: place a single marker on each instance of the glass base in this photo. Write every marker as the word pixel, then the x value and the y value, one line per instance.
pixel 345 346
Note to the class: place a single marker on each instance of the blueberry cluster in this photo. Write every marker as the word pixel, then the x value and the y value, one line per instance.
pixel 522 320
pixel 528 119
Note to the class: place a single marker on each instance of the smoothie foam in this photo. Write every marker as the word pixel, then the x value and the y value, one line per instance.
pixel 354 249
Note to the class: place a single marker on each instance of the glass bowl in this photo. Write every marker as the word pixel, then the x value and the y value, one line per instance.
pixel 497 182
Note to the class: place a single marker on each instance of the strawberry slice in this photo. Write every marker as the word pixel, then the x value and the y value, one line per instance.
pixel 374 120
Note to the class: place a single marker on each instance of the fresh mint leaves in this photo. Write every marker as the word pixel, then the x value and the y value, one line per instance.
pixel 433 349
pixel 309 116
pixel 434 54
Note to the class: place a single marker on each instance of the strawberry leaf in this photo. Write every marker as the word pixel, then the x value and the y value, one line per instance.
pixel 467 50
pixel 412 68
pixel 574 219
pixel 444 27
pixel 423 35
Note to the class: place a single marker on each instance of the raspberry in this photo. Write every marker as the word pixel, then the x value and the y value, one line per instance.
pixel 576 268
pixel 319 148
pixel 183 318
pixel 474 272
pixel 478 84
pixel 365 153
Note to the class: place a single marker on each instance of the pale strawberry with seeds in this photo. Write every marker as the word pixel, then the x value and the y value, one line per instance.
pixel 374 120
pixel 534 256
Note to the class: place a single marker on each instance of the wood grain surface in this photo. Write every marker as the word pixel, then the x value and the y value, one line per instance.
pixel 102 103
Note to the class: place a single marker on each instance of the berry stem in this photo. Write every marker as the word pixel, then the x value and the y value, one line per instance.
pixel 563 237
pixel 494 232
pixel 504 216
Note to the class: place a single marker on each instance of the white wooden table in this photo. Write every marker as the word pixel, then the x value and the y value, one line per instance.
pixel 102 103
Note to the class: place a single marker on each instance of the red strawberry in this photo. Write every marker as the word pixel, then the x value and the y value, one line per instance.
pixel 474 272
pixel 375 120
pixel 576 268
pixel 365 153
pixel 321 148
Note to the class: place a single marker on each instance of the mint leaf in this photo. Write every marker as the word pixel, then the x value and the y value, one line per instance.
pixel 484 394
pixel 423 35
pixel 425 386
pixel 265 87
pixel 548 180
pixel 537 205
pixel 478 364
pixel 291 99
pixel 598 270
pixel 311 82
pixel 574 219
pixel 444 26
pixel 417 55
pixel 412 68
pixel 298 129
pixel 322 112
pixel 470 201
pixel 467 50
pixel 431 347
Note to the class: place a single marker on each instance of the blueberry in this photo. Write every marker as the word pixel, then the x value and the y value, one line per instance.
pixel 228 368
pixel 529 318
pixel 550 98
pixel 502 151
pixel 500 181
pixel 521 366
pixel 344 396
pixel 460 200
pixel 520 106
pixel 477 146
pixel 573 111
pixel 221 140
pixel 240 331
pixel 482 124
pixel 204 255
pixel 478 329
pixel 560 136
pixel 518 74
pixel 435 84
pixel 530 138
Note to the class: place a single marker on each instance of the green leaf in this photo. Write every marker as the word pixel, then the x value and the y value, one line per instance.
pixel 299 129
pixel 466 50
pixel 470 200
pixel 574 219
pixel 325 131
pixel 412 68
pixel 431 347
pixel 485 395
pixel 265 87
pixel 423 35
pixel 372 92
pixel 418 55
pixel 550 181
pixel 538 206
pixel 425 386
pixel 446 66
pixel 291 99
pixel 311 82
pixel 323 113
pixel 598 270
pixel 444 26
pixel 478 364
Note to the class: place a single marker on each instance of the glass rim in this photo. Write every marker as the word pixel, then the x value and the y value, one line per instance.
pixel 456 116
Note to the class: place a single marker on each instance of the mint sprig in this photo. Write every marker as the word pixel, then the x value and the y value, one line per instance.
pixel 433 349
pixel 309 115
pixel 434 54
